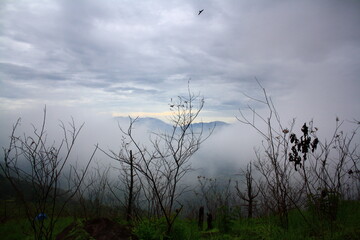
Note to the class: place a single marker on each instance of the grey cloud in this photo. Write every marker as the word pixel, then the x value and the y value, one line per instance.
pixel 131 90
pixel 154 48
pixel 16 72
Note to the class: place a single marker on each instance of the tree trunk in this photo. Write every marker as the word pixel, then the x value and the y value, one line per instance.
pixel 130 200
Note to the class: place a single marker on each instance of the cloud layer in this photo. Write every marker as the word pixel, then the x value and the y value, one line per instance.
pixel 97 59
pixel 133 57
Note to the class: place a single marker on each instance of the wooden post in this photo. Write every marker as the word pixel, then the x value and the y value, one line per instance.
pixel 201 218
pixel 209 221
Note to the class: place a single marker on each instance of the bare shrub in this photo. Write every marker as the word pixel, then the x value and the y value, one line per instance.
pixel 32 159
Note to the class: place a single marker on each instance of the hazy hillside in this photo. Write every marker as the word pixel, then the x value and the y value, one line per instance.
pixel 157 124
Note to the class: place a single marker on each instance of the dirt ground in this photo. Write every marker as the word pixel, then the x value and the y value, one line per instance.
pixel 99 229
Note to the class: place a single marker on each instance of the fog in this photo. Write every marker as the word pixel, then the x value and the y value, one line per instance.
pixel 228 149
pixel 223 153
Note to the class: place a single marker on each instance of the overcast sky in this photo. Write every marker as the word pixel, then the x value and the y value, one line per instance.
pixel 131 57
pixel 100 59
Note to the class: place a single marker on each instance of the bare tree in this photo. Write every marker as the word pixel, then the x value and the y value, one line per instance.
pixel 161 167
pixel 354 169
pixel 217 196
pixel 130 182
pixel 214 194
pixel 93 192
pixel 295 170
pixel 272 163
pixel 329 173
pixel 250 193
pixel 32 160
pixel 337 157
pixel 130 202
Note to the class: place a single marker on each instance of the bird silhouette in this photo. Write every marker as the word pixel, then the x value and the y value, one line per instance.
pixel 201 11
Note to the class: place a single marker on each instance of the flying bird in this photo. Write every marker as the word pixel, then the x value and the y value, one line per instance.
pixel 201 11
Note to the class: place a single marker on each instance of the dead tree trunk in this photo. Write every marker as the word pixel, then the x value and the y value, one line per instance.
pixel 131 187
pixel 250 195
pixel 201 218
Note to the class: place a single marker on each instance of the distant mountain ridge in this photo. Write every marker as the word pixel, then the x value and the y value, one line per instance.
pixel 155 123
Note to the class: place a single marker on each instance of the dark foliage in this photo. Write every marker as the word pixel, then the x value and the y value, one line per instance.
pixel 301 146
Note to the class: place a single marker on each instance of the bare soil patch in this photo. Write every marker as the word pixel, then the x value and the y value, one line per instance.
pixel 99 229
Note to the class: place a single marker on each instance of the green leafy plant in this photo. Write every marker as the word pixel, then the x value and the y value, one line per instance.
pixel 150 229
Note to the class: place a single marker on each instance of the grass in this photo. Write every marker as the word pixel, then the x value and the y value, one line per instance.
pixel 346 227
pixel 20 228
